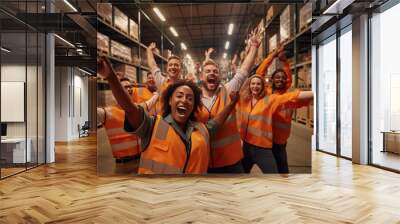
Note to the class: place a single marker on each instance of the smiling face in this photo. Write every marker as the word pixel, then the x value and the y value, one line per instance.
pixel 127 86
pixel 174 68
pixel 210 77
pixel 256 85
pixel 279 80
pixel 182 104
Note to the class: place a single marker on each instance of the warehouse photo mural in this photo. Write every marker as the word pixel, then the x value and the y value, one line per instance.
pixel 203 89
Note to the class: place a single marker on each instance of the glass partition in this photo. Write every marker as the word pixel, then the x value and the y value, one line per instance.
pixel 327 95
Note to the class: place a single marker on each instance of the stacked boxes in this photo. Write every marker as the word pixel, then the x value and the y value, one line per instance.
pixel 120 51
pixel 133 29
pixel 103 43
pixel 270 13
pixel 127 71
pixel 305 15
pixel 273 43
pixel 104 10
pixel 287 24
pixel 304 74
pixel 121 21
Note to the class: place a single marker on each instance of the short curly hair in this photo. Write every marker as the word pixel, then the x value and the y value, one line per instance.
pixel 167 94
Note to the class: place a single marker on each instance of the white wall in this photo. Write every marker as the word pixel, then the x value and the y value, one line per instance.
pixel 71 93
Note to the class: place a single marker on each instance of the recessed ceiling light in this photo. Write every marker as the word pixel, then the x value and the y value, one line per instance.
pixel 224 55
pixel 173 31
pixel 159 14
pixel 226 45
pixel 183 46
pixel 230 29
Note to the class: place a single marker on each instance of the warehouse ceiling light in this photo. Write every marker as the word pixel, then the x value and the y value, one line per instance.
pixel 226 45
pixel 70 5
pixel 5 50
pixel 230 29
pixel 65 41
pixel 224 55
pixel 159 14
pixel 183 46
pixel 173 31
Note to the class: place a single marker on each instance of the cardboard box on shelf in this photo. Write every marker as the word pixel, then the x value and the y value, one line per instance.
pixel 103 43
pixel 104 10
pixel 127 71
pixel 287 24
pixel 304 77
pixel 305 15
pixel 121 51
pixel 273 43
pixel 133 29
pixel 270 13
pixel 121 21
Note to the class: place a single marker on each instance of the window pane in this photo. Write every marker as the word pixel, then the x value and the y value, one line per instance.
pixel 346 94
pixel 327 96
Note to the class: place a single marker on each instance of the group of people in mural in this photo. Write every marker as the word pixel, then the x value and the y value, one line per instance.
pixel 178 126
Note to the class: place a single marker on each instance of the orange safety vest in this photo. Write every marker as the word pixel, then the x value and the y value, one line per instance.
pixel 226 146
pixel 122 143
pixel 141 95
pixel 256 121
pixel 282 120
pixel 166 153
pixel 159 104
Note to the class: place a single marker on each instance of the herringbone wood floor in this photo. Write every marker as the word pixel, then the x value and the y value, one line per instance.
pixel 69 191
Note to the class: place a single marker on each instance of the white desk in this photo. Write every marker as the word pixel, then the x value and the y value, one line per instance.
pixel 17 147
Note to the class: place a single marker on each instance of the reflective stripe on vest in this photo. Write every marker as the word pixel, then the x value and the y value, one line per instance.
pixel 281 125
pixel 225 141
pixel 140 92
pixel 256 117
pixel 124 145
pixel 162 130
pixel 157 167
pixel 114 131
pixel 257 132
pixel 203 132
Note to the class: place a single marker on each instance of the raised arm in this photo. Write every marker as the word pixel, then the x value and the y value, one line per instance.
pixel 104 68
pixel 155 70
pixel 236 82
pixel 286 67
pixel 208 53
pixel 223 115
pixel 151 61
pixel 255 41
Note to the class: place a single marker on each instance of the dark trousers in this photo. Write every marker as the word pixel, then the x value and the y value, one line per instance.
pixel 263 157
pixel 279 151
pixel 235 168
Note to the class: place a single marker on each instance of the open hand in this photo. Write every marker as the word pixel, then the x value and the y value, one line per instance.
pixel 208 52
pixel 152 47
